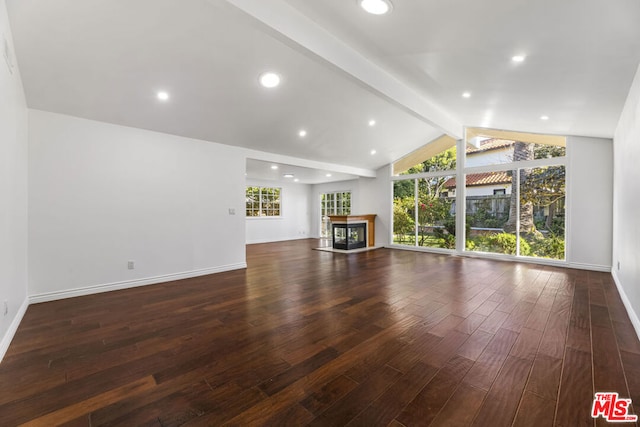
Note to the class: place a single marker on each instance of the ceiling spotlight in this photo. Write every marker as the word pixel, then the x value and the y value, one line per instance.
pixel 163 96
pixel 302 133
pixel 296 180
pixel 269 79
pixel 376 7
pixel 518 58
pixel 544 117
pixel 373 152
pixel 466 94
pixel 274 167
pixel 372 122
pixel 328 175
pixel 288 175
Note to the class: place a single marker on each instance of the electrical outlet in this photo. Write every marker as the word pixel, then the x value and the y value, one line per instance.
pixel 232 211
pixel 6 307
pixel 131 265
pixel 618 265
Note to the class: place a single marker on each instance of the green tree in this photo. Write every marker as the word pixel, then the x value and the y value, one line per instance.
pixel 431 211
pixel 403 222
pixel 521 151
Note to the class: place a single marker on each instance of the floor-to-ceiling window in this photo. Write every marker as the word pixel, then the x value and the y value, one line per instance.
pixel 513 197
pixel 515 194
pixel 424 197
pixel 335 203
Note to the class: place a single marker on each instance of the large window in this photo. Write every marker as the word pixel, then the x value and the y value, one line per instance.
pixel 335 203
pixel 263 202
pixel 424 196
pixel 513 195
pixel 516 210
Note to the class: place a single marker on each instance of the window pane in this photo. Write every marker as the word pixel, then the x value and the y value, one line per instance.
pixel 404 208
pixel 436 219
pixel 542 195
pixel 489 198
pixel 445 160
pixel 493 151
pixel 262 201
pixel 437 155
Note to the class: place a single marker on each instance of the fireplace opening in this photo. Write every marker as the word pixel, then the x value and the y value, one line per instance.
pixel 350 236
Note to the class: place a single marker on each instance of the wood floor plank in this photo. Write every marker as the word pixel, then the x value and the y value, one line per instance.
pixel 573 406
pixel 304 337
pixel 461 408
pixel 535 411
pixel 505 393
pixel 330 393
pixel 424 408
pixel 87 406
pixel 545 377
pixel 490 362
pixel 358 399
pixel 385 408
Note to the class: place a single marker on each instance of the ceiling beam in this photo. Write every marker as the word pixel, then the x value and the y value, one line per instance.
pixel 306 33
pixel 306 163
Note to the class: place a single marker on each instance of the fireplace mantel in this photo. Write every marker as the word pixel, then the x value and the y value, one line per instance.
pixel 369 219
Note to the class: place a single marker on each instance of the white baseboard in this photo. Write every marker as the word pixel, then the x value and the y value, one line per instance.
pixel 256 242
pixel 13 328
pixel 635 321
pixel 591 267
pixel 88 290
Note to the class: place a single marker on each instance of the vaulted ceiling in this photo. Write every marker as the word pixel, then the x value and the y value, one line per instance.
pixel 340 68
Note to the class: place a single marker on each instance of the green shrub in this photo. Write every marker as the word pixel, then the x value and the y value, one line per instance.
pixel 551 246
pixel 504 243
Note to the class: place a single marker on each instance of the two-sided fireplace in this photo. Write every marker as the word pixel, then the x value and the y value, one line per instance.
pixel 349 236
pixel 352 231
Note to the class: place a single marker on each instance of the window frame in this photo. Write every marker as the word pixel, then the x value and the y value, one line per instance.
pixel 461 171
pixel 263 212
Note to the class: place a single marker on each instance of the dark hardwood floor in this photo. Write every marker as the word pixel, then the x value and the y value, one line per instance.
pixel 304 337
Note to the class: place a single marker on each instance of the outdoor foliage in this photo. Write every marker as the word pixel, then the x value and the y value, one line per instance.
pixel 551 246
pixel 504 243
pixel 403 223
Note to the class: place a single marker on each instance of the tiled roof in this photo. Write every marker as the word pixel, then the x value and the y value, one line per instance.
pixel 486 178
pixel 490 144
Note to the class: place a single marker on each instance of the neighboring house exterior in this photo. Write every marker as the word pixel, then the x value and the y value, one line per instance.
pixel 487 152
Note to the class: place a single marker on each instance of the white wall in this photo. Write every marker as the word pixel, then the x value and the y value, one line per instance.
pixel 13 192
pixel 375 196
pixel 101 195
pixel 590 193
pixel 487 190
pixel 295 221
pixel 332 187
pixel 626 203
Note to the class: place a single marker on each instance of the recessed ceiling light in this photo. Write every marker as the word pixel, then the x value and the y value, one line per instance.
pixel 376 7
pixel 288 175
pixel 373 152
pixel 518 58
pixel 274 167
pixel 544 117
pixel 302 133
pixel 163 96
pixel 296 180
pixel 466 94
pixel 269 79
pixel 372 122
pixel 328 175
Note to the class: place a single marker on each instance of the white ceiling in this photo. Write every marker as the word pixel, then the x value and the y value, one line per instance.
pixel 261 170
pixel 106 59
